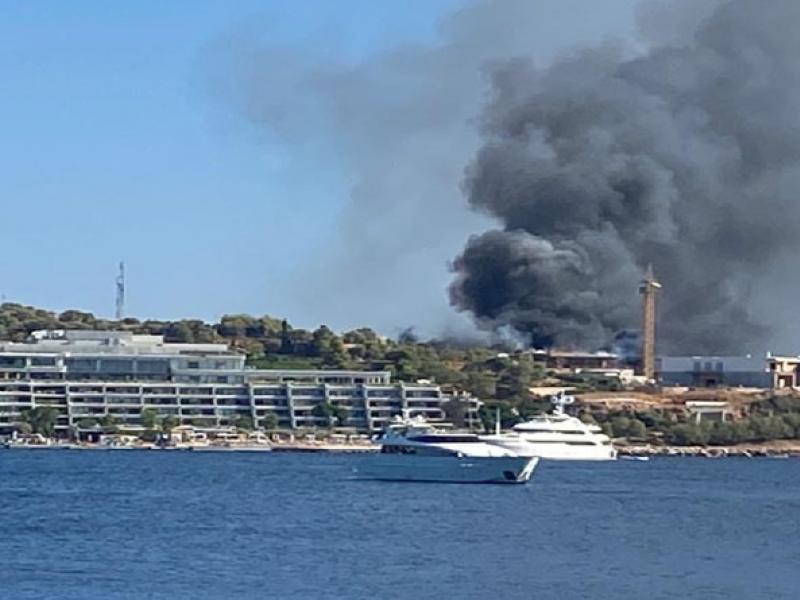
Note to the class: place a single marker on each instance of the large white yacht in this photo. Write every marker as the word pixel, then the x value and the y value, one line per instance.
pixel 556 436
pixel 414 450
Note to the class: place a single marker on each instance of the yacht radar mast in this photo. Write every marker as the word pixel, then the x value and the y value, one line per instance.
pixel 559 401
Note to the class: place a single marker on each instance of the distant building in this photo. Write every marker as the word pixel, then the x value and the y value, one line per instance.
pixel 89 374
pixel 713 371
pixel 572 361
pixel 784 371
pixel 709 410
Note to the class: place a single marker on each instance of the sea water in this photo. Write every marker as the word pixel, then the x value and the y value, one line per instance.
pixel 170 524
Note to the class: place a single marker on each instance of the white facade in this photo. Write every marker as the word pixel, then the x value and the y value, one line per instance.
pixel 92 374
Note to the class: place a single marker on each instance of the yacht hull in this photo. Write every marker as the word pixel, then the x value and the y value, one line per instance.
pixel 447 469
pixel 554 451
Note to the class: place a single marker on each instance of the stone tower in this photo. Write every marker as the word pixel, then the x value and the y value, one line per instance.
pixel 648 289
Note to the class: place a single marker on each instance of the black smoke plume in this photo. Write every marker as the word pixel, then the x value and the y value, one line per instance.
pixel 686 156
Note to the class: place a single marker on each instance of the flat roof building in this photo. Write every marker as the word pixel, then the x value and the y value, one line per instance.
pixel 784 371
pixel 90 374
pixel 713 371
pixel 575 360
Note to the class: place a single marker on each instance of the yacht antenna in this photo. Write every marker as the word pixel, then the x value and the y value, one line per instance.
pixel 559 401
pixel 497 420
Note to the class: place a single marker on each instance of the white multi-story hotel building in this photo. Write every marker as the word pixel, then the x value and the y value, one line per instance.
pixel 89 374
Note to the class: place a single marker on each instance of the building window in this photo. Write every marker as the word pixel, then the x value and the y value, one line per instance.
pixel 43 361
pixel 193 364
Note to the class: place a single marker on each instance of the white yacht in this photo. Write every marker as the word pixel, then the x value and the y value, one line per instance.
pixel 414 450
pixel 556 436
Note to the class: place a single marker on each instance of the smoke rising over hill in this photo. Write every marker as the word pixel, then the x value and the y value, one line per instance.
pixel 398 124
pixel 683 152
pixel 686 156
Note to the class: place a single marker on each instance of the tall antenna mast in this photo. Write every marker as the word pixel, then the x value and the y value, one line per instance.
pixel 121 291
pixel 648 288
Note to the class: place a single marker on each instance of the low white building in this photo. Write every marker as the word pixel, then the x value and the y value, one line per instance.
pixel 708 410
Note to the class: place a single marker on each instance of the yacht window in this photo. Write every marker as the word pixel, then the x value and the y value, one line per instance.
pixel 444 439
pixel 567 442
pixel 388 449
pixel 564 431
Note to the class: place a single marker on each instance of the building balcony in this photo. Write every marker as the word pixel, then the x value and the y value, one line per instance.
pixel 123 400
pixel 277 410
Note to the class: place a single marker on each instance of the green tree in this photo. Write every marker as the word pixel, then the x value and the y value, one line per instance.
pixel 42 419
pixel 792 420
pixel 233 326
pixel 455 411
pixel 636 429
pixel 741 431
pixel 652 419
pixel 244 423
pixel 179 332
pixel 488 415
pixel 689 434
pixel 481 384
pixel 332 412
pixel 620 425
pixel 528 407
pixel 149 418
pixel 109 423
pixel 721 433
pixel 329 347
pixel 87 423
pixel 340 414
pixel 23 427
pixel 438 371
pixel 270 421
pixel 516 375
pixel 168 423
pixel 369 345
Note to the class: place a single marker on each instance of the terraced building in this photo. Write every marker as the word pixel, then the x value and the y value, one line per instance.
pixel 89 374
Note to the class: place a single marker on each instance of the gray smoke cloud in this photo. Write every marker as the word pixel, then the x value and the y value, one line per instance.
pixel 399 125
pixel 686 156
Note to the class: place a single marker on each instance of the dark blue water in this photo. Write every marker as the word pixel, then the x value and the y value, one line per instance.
pixel 92 525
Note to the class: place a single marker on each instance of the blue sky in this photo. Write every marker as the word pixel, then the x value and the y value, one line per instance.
pixel 114 147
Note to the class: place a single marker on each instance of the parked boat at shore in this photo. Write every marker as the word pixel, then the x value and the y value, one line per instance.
pixel 414 450
pixel 28 440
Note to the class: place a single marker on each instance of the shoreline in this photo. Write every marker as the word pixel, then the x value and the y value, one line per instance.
pixel 251 448
pixel 764 450
pixel 740 451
